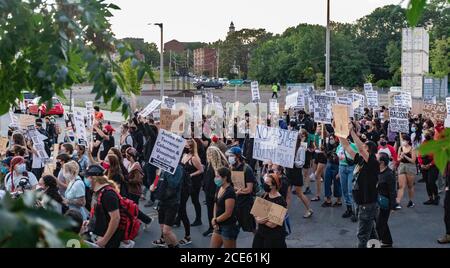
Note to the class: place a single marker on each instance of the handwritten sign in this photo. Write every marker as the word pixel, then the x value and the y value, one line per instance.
pixel 238 179
pixel 89 113
pixel 150 108
pixel 167 151
pixel 399 119
pixel 447 101
pixel 322 109
pixel 372 99
pixel 26 120
pixel 274 108
pixel 437 112
pixel 169 103
pixel 255 92
pixel 368 87
pixel 172 120
pixel 80 128
pixel 359 109
pixel 291 100
pixel 341 120
pixel 348 102
pixel 275 144
pixel 266 209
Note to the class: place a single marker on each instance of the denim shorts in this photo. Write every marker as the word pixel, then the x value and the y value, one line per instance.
pixel 407 168
pixel 228 232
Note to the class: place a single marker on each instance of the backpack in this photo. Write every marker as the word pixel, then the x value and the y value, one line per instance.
pixel 129 211
pixel 165 192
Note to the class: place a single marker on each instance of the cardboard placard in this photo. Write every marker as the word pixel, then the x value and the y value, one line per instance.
pixel 26 120
pixel 3 144
pixel 266 209
pixel 167 151
pixel 437 112
pixel 341 120
pixel 274 108
pixel 238 179
pixel 172 120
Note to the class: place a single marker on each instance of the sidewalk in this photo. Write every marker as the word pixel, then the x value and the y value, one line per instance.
pixel 109 116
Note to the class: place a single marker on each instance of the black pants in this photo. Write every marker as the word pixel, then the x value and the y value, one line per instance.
pixel 275 94
pixel 210 209
pixel 447 212
pixel 182 214
pixel 260 241
pixel 430 177
pixel 141 216
pixel 382 226
pixel 37 172
pixel 195 196
pixel 150 175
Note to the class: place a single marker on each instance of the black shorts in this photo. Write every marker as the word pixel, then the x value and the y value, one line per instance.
pixel 167 215
pixel 295 176
pixel 321 158
pixel 308 158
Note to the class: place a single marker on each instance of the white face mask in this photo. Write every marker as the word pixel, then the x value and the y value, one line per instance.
pixel 67 175
pixel 232 160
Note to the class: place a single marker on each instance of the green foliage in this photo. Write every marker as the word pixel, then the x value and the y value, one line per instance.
pixel 440 149
pixel 369 78
pixel 48 47
pixel 23 225
pixel 384 83
pixel 149 50
pixel 415 10
pixel 439 58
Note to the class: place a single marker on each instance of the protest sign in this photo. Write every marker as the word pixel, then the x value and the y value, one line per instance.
pixel 150 108
pixel 167 151
pixel 323 109
pixel 348 102
pixel 360 99
pixel 372 99
pixel 196 107
pixel 90 113
pixel 238 179
pixel 437 112
pixel 3 144
pixel 169 103
pixel 26 120
pixel 265 209
pixel 368 87
pixel 14 119
pixel 396 89
pixel 300 100
pixel 291 100
pixel 430 99
pixel 255 92
pixel 80 128
pixel 447 100
pixel 38 143
pixel 331 93
pixel 172 120
pixel 341 120
pixel 275 144
pixel 399 119
pixel 274 108
pixel 306 88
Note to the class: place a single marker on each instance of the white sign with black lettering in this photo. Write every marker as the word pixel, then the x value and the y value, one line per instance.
pixel 291 100
pixel 372 99
pixel 38 142
pixel 150 108
pixel 300 100
pixel 274 108
pixel 398 117
pixel 447 101
pixel 255 92
pixel 346 101
pixel 276 145
pixel 169 103
pixel 368 87
pixel 90 113
pixel 167 151
pixel 323 109
pixel 80 128
pixel 360 99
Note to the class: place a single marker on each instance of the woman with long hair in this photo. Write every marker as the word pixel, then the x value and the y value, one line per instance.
pixel 321 161
pixel 309 155
pixel 406 171
pixel 74 196
pixel 194 168
pixel 114 173
pixel 48 184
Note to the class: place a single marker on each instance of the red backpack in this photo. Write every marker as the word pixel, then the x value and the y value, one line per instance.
pixel 129 211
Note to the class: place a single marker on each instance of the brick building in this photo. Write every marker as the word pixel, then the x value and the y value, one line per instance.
pixel 205 61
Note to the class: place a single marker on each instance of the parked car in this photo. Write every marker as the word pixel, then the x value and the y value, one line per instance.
pixel 223 81
pixel 21 106
pixel 41 110
pixel 208 84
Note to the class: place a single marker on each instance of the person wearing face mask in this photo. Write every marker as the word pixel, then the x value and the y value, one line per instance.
pixel 372 134
pixel 430 173
pixel 270 235
pixel 5 166
pixel 416 136
pixel 74 196
pixel 48 184
pixel 384 147
pixel 224 221
pixel 62 182
pixel 244 199
pixel 107 140
pixel 135 176
pixel 406 171
pixel 17 172
pixel 67 148
pixel 332 175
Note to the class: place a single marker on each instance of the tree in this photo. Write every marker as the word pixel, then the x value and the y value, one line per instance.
pixel 149 50
pixel 439 58
pixel 45 46
pixel 393 60
pixel 320 81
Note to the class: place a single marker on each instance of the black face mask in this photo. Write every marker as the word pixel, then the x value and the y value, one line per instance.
pixel 185 150
pixel 267 188
pixel 270 171
pixel 383 143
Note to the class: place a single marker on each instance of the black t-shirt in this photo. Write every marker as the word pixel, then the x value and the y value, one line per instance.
pixel 278 231
pixel 220 205
pixel 284 186
pixel 249 177
pixel 373 136
pixel 365 186
pixel 109 202
pixel 96 137
pixel 107 144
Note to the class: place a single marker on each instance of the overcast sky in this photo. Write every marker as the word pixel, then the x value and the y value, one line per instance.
pixel 208 20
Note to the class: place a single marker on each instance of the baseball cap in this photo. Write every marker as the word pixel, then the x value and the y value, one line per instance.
pixel 95 170
pixel 236 151
pixel 214 138
pixel 109 128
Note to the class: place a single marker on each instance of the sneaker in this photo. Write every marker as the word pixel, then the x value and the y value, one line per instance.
pixel 436 201
pixel 411 204
pixel 354 218
pixel 208 233
pixel 429 202
pixel 444 240
pixel 308 214
pixel 347 214
pixel 307 191
pixel 159 243
pixel 397 207
pixel 312 177
pixel 149 204
pixel 185 241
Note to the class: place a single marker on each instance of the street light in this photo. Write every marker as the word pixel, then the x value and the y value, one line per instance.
pixel 161 67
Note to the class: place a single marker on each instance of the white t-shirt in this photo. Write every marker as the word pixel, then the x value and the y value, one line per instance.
pixel 8 185
pixel 63 180
pixel 75 189
pixel 37 162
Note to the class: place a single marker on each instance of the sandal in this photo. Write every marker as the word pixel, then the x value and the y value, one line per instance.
pixel 159 243
pixel 317 198
pixel 327 204
pixel 185 241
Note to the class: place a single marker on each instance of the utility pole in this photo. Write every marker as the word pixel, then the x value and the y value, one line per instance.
pixel 327 67
pixel 218 61
pixel 161 59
